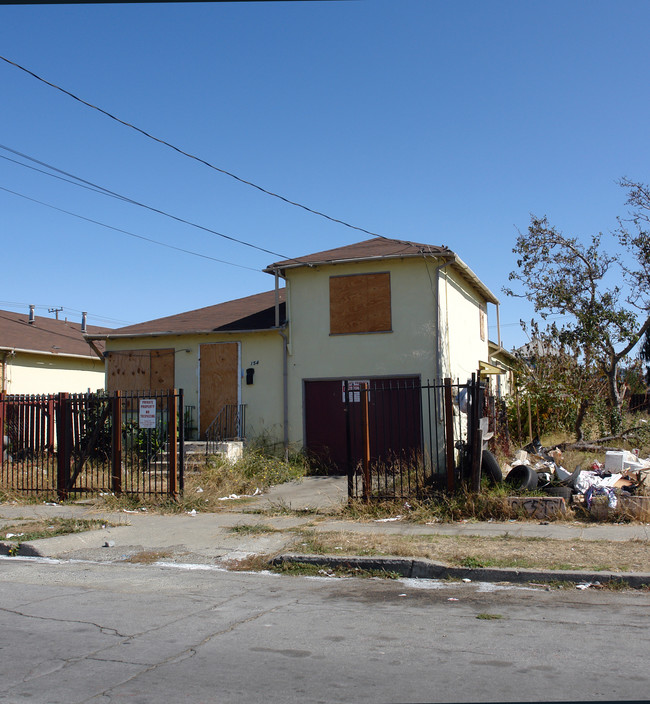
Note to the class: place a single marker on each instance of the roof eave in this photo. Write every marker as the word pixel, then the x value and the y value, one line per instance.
pixel 271 269
pixel 177 333
pixel 52 354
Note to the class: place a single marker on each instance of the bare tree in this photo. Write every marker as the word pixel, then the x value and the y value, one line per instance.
pixel 605 296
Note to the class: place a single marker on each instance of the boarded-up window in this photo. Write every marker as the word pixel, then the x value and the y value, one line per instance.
pixel 134 370
pixel 482 324
pixel 360 303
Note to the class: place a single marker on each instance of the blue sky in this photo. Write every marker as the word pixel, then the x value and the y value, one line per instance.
pixel 437 122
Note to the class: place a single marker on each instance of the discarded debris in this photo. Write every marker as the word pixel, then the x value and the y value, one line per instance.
pixel 537 467
pixel 257 492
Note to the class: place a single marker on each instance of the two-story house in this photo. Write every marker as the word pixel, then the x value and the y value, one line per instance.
pixel 375 310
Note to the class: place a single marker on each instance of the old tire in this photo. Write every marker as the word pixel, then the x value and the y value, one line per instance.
pixel 563 491
pixel 490 467
pixel 522 477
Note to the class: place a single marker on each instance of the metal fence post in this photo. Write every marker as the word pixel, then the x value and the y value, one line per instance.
pixel 449 438
pixel 476 446
pixel 172 444
pixel 365 431
pixel 116 445
pixel 2 425
pixel 181 441
pixel 64 444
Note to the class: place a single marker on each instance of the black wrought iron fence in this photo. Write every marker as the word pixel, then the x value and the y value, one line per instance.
pixel 79 444
pixel 408 439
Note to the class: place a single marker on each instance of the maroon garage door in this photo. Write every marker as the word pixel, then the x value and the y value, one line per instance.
pixel 394 420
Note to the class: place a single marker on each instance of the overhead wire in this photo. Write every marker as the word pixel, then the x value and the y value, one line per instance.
pixel 47 306
pixel 89 185
pixel 126 232
pixel 192 156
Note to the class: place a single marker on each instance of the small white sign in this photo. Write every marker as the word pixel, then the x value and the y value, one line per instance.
pixel 354 390
pixel 147 417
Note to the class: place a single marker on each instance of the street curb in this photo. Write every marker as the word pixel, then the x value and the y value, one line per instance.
pixel 428 569
pixel 19 549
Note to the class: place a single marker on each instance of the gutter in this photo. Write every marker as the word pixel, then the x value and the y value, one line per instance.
pixel 13 350
pixel 173 333
pixel 451 257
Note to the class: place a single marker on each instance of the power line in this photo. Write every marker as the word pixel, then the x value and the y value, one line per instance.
pixel 126 232
pixel 192 156
pixel 95 188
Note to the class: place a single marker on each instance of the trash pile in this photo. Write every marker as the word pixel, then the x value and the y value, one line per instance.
pixel 536 467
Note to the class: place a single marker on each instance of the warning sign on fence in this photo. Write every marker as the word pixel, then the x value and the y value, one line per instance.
pixel 147 416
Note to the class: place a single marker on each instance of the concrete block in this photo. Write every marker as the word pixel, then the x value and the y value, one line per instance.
pixel 232 450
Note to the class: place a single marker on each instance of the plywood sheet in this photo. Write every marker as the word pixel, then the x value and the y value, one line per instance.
pixel 162 369
pixel 219 379
pixel 135 370
pixel 128 370
pixel 360 303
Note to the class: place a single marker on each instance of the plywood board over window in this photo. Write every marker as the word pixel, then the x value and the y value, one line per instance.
pixel 219 380
pixel 135 370
pixel 360 303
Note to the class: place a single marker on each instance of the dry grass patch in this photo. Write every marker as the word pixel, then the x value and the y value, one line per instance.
pixel 478 551
pixel 148 557
pixel 23 530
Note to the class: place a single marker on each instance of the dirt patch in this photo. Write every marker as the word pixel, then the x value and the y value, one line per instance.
pixel 477 551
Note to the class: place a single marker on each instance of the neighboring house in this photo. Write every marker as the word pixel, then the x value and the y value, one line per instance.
pixel 379 309
pixel 44 355
pixel 503 383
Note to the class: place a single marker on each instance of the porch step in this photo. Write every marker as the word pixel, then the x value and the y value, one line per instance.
pixel 195 447
pixel 232 450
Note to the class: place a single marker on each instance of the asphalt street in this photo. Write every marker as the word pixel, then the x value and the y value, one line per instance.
pixel 73 632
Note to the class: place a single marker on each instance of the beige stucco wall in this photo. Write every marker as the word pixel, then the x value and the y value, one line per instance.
pixel 261 350
pixel 27 373
pixel 410 349
pixel 462 347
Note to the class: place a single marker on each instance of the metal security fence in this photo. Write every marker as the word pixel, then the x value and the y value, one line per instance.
pixel 79 444
pixel 408 439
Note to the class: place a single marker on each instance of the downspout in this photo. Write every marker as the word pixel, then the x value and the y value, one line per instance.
pixel 3 378
pixel 498 327
pixel 438 362
pixel 285 392
pixel 285 369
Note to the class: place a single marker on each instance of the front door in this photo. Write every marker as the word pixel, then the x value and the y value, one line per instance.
pixel 219 380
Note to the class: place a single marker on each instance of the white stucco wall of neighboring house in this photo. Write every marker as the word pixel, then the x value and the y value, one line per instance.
pixel 461 309
pixel 259 350
pixel 409 350
pixel 33 373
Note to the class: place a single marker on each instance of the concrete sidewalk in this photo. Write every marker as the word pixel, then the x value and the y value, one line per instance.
pixel 209 538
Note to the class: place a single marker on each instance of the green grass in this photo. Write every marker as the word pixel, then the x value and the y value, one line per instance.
pixel 489 617
pixel 252 530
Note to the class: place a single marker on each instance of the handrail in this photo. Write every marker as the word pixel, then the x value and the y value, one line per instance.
pixel 228 425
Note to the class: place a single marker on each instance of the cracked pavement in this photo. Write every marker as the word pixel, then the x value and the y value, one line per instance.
pixel 75 632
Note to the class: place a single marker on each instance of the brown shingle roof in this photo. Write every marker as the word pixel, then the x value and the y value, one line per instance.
pixel 256 312
pixel 380 248
pixel 377 248
pixel 44 334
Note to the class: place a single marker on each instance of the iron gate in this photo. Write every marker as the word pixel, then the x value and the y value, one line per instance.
pixel 407 439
